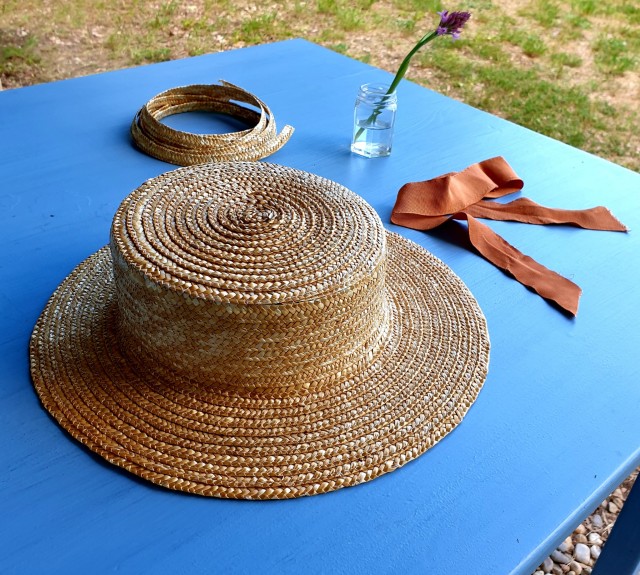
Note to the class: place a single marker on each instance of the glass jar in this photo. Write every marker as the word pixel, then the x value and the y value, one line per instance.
pixel 373 119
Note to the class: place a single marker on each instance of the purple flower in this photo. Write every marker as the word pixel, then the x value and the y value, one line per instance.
pixel 452 23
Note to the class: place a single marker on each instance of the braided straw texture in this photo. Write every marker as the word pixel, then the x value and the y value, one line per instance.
pixel 184 148
pixel 253 332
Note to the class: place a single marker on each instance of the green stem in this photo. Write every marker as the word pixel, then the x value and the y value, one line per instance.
pixel 402 70
pixel 405 63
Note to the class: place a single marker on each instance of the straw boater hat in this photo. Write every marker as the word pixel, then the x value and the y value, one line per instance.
pixel 252 331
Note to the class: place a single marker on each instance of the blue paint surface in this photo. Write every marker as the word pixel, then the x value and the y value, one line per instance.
pixel 555 428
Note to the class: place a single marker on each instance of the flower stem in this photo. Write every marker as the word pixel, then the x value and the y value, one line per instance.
pixel 402 70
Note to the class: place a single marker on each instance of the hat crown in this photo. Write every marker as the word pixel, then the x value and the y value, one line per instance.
pixel 250 276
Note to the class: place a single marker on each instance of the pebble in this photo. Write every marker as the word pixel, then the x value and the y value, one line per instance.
pixel 582 553
pixel 577 553
pixel 594 538
pixel 561 558
pixel 566 546
pixel 547 565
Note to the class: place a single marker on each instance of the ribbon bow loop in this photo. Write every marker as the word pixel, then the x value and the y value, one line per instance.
pixel 462 196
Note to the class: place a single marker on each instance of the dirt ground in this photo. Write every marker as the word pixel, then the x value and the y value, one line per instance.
pixel 46 40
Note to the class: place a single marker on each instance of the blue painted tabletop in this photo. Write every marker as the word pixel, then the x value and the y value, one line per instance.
pixel 553 431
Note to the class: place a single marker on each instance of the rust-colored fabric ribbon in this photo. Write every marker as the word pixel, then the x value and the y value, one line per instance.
pixel 463 196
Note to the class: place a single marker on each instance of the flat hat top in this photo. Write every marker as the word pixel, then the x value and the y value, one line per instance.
pixel 248 233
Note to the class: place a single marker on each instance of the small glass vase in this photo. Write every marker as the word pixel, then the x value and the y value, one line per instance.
pixel 373 119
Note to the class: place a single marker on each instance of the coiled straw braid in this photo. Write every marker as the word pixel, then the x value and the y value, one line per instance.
pixel 184 149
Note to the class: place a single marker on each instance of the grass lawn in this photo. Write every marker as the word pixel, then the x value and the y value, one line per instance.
pixel 569 69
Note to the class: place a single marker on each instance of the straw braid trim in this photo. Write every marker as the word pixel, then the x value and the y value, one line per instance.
pixel 183 148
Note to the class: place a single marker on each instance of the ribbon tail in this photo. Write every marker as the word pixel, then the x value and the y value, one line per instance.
pixel 529 212
pixel 527 271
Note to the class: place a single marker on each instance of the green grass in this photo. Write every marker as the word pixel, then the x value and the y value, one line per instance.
pixel 341 48
pixel 138 50
pixel 150 55
pixel 575 25
pixel 17 55
pixel 490 51
pixel 421 6
pixel 563 59
pixel 349 19
pixel 330 36
pixel 262 28
pixel 118 44
pixel 164 15
pixel 406 26
pixel 545 12
pixel 533 45
pixel 253 30
pixel 566 114
pixel 631 13
pixel 584 7
pixel 345 16
pixel 522 96
pixel 614 55
pixel 548 66
pixel 199 26
pixel 327 6
pixel 24 53
pixel 364 4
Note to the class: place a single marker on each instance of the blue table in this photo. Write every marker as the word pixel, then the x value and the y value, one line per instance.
pixel 554 430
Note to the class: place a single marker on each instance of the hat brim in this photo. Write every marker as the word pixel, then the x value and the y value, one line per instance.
pixel 211 442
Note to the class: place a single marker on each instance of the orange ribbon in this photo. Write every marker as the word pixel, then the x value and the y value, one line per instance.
pixel 462 196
